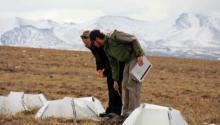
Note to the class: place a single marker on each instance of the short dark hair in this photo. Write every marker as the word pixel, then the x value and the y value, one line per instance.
pixel 96 33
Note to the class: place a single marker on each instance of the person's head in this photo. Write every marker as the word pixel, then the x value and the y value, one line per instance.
pixel 97 38
pixel 85 38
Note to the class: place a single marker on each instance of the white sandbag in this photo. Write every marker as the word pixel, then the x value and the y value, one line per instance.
pixel 72 108
pixel 18 101
pixel 13 103
pixel 148 114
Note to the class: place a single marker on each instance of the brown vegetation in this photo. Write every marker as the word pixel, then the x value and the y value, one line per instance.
pixel 191 86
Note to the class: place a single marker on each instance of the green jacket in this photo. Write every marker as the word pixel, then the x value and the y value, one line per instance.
pixel 121 47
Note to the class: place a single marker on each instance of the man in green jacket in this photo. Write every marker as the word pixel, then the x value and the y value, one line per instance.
pixel 122 47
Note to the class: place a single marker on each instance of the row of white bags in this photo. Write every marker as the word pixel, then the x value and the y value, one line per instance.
pixel 69 108
pixel 86 108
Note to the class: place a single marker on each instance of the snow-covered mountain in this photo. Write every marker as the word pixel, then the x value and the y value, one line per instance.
pixel 40 34
pixel 187 35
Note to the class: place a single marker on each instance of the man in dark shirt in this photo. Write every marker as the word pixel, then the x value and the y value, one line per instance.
pixel 103 69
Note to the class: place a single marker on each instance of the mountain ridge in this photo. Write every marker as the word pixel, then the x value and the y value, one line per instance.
pixel 188 35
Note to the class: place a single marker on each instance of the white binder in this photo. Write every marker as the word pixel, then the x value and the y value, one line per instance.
pixel 140 72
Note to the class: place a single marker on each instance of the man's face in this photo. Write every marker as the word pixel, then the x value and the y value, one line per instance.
pixel 86 41
pixel 98 42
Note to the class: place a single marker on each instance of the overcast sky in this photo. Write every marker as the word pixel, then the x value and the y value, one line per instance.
pixel 85 10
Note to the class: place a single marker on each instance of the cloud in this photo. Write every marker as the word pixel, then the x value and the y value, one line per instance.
pixel 76 16
pixel 84 10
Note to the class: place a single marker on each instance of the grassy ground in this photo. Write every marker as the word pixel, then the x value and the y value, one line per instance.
pixel 191 86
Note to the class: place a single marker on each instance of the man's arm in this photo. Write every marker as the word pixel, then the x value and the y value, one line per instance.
pixel 115 68
pixel 100 64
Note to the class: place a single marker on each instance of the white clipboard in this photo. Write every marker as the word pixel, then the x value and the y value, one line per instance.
pixel 140 72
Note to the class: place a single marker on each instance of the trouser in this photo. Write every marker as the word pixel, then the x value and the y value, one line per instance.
pixel 131 88
pixel 115 99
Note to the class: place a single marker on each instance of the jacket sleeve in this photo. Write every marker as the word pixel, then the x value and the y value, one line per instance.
pixel 115 68
pixel 99 62
pixel 128 38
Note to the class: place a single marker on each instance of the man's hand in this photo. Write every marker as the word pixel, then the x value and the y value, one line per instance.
pixel 140 60
pixel 100 73
pixel 116 86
